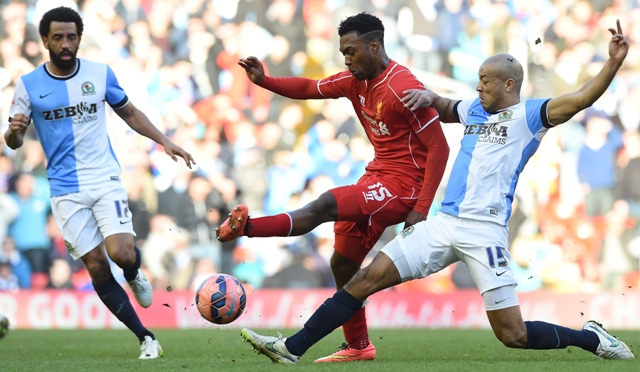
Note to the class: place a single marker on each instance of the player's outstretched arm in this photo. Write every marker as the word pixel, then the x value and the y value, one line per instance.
pixel 139 122
pixel 287 86
pixel 14 136
pixel 416 98
pixel 563 108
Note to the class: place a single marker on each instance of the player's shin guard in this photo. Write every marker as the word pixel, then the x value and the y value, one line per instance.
pixel 545 336
pixel 333 313
pixel 355 330
pixel 117 301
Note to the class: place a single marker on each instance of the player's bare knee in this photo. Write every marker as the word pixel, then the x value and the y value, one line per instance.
pixel 120 250
pixel 98 268
pixel 325 207
pixel 123 257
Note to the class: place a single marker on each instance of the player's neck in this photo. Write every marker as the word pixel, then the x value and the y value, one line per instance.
pixel 54 70
pixel 382 64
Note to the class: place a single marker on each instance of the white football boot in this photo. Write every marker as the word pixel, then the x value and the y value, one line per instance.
pixel 150 349
pixel 610 346
pixel 271 346
pixel 141 289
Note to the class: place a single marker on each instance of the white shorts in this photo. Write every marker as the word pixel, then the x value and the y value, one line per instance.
pixel 432 245
pixel 87 217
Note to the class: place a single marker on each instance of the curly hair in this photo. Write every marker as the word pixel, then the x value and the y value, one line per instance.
pixel 368 26
pixel 60 14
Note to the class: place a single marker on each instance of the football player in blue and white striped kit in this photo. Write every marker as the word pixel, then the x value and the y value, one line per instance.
pixel 66 100
pixel 501 134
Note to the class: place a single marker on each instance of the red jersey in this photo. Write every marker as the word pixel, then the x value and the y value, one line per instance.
pixel 389 125
pixel 399 136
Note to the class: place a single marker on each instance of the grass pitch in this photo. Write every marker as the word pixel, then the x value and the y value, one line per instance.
pixel 223 350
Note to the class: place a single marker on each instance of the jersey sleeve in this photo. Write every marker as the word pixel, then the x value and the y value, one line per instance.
pixel 115 95
pixel 461 110
pixel 537 118
pixel 20 104
pixel 334 86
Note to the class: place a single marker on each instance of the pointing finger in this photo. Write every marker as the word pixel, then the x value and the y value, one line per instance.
pixel 619 27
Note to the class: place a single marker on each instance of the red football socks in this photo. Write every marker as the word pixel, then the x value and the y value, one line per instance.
pixel 355 331
pixel 262 227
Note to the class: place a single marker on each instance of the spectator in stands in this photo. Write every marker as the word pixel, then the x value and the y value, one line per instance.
pixel 20 266
pixel 60 275
pixel 8 281
pixel 597 162
pixel 29 229
pixel 9 210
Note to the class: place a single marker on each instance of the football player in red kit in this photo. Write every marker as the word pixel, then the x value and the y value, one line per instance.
pixel 399 183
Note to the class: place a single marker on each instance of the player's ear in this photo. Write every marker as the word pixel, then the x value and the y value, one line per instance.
pixel 374 46
pixel 510 85
pixel 45 42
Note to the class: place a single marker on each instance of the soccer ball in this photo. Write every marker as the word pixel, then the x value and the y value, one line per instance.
pixel 4 326
pixel 221 299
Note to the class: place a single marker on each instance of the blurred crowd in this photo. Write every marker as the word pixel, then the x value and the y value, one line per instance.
pixel 574 226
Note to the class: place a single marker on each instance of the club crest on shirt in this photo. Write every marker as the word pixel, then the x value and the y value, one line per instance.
pixel 379 110
pixel 505 115
pixel 88 88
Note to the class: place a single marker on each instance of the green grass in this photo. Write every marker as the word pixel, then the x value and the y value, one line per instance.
pixel 223 350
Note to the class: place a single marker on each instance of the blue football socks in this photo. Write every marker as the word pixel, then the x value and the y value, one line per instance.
pixel 116 299
pixel 545 336
pixel 333 313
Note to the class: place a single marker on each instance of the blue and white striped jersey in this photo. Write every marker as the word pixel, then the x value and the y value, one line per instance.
pixel 493 152
pixel 69 117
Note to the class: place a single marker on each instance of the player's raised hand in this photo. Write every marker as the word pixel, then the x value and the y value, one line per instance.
pixel 19 123
pixel 416 98
pixel 254 69
pixel 619 45
pixel 174 151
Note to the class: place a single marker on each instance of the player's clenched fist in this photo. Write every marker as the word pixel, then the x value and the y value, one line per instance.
pixel 19 123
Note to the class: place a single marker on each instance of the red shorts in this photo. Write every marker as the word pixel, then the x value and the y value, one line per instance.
pixel 382 200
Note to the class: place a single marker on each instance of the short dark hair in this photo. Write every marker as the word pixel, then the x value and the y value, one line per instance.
pixel 60 14
pixel 363 24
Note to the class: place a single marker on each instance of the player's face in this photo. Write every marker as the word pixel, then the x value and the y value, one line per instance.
pixel 490 89
pixel 62 43
pixel 357 56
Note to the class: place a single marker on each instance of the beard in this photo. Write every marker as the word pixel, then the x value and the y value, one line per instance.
pixel 60 63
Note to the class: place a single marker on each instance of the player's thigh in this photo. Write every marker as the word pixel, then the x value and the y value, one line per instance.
pixel 422 249
pixel 79 228
pixel 378 202
pixel 483 247
pixel 374 196
pixel 111 210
